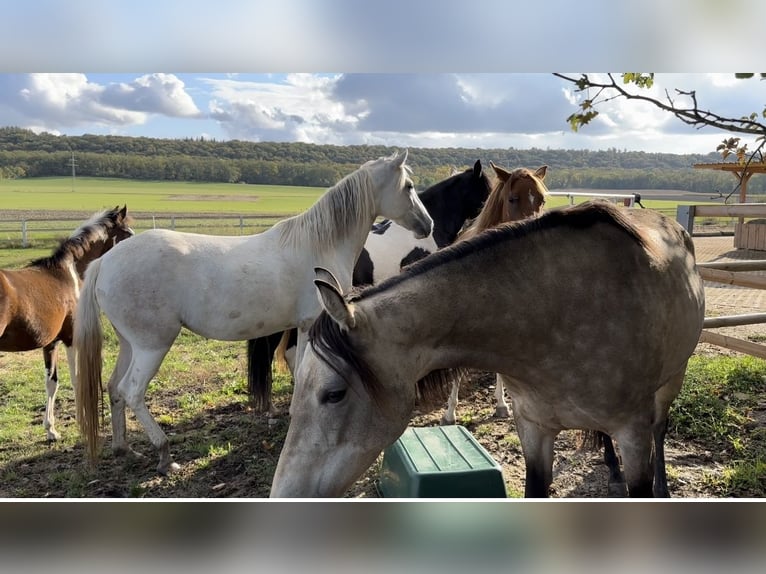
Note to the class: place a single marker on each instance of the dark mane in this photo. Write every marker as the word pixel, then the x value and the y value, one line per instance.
pixel 332 345
pixel 75 246
pixel 579 216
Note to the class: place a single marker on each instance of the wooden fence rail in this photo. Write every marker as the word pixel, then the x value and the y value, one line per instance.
pixel 23 232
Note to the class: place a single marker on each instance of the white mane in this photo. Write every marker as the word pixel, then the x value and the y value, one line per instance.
pixel 337 213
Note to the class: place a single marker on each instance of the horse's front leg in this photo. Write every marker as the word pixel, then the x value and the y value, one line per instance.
pixel 501 406
pixel 537 447
pixel 50 357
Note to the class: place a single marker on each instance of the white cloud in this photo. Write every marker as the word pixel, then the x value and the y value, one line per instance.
pixel 299 109
pixel 153 93
pixel 60 101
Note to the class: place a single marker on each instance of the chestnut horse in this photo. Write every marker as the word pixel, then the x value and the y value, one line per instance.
pixel 37 302
pixel 593 334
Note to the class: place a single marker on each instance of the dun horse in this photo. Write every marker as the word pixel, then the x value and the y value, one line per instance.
pixel 226 288
pixel 37 302
pixel 592 334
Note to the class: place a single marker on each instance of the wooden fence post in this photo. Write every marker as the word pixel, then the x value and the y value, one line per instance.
pixel 23 232
pixel 685 216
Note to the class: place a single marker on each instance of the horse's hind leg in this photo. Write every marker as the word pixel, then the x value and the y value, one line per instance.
pixel 117 402
pixel 132 387
pixel 50 356
pixel 664 396
pixel 660 474
pixel 636 448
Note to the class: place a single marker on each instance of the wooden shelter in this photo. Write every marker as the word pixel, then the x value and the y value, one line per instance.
pixel 751 235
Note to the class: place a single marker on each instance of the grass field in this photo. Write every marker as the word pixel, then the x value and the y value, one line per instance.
pixel 185 206
pixel 162 197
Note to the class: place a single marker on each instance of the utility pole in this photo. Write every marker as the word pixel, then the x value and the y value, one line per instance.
pixel 73 163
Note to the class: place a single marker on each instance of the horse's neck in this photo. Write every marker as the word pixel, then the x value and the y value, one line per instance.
pixel 455 319
pixel 93 252
pixel 434 200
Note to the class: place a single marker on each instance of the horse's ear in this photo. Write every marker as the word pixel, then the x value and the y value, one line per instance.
pixel 123 211
pixel 501 172
pixel 541 171
pixel 400 159
pixel 477 168
pixel 328 276
pixel 333 302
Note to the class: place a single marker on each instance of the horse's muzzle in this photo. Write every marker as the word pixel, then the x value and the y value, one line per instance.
pixel 423 228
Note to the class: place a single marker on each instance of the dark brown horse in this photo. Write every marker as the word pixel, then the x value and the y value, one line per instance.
pixel 37 302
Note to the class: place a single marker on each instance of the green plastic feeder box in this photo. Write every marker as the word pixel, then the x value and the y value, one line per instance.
pixel 439 462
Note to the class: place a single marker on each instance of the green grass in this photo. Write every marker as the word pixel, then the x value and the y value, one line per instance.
pixel 199 396
pixel 94 194
pixel 716 406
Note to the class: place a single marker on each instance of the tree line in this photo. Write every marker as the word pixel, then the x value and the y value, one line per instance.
pixel 26 154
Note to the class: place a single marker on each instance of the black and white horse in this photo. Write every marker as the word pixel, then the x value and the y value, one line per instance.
pixel 451 203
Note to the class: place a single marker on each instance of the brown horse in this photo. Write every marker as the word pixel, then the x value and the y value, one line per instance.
pixel 594 334
pixel 517 195
pixel 37 302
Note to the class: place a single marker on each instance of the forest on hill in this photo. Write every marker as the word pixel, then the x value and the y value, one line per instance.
pixel 24 153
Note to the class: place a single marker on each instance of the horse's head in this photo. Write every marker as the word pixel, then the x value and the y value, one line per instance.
pixel 121 225
pixel 97 236
pixel 523 192
pixel 395 195
pixel 337 427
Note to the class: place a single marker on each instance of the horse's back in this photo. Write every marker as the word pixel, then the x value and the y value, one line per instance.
pixel 161 280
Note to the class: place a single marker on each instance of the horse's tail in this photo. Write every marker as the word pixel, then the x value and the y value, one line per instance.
pixel 87 344
pixel 589 440
pixel 284 343
pixel 260 353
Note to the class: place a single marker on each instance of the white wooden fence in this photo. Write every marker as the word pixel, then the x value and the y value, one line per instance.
pixel 25 232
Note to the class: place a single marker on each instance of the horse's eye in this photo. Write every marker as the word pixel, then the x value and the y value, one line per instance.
pixel 512 199
pixel 334 396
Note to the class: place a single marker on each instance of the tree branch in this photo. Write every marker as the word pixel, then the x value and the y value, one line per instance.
pixel 692 116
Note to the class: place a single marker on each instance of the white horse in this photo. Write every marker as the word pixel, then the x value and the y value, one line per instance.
pixel 226 288
pixel 590 313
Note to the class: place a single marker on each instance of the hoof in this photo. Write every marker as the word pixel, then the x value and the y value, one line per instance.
pixel 445 422
pixel 274 412
pixel 166 470
pixel 128 452
pixel 617 490
pixel 53 436
pixel 502 413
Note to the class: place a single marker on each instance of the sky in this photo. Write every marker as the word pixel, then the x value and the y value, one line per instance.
pixel 495 110
pixel 404 73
